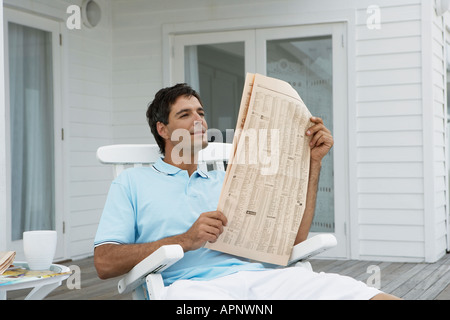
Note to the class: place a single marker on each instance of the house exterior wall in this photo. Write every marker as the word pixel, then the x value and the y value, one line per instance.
pixel 398 194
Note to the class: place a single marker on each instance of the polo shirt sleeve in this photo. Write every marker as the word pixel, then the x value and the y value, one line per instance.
pixel 117 223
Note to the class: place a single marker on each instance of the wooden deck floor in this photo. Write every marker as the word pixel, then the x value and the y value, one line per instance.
pixel 411 281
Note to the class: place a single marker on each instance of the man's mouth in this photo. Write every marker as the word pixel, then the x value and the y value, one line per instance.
pixel 198 134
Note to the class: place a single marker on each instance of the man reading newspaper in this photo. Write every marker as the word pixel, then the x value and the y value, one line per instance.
pixel 174 202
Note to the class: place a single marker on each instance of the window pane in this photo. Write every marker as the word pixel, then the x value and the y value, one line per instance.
pixel 306 63
pixel 32 147
pixel 217 71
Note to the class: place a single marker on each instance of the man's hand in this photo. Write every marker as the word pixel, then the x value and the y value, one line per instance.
pixel 321 140
pixel 207 228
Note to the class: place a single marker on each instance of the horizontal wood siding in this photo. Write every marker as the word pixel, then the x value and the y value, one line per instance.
pixel 137 68
pixel 90 126
pixel 390 160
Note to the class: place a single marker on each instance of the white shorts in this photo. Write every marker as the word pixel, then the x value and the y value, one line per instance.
pixel 276 284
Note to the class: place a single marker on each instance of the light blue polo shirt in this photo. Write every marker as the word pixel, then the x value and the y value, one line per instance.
pixel 151 203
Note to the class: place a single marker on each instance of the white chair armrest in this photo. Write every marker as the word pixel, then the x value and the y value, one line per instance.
pixel 157 262
pixel 312 246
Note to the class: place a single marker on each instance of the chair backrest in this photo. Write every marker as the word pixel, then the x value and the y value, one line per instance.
pixel 122 156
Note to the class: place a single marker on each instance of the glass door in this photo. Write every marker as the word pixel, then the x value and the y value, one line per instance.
pixel 313 60
pixel 215 65
pixel 32 62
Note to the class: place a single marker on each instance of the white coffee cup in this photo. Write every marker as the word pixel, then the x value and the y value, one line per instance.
pixel 39 248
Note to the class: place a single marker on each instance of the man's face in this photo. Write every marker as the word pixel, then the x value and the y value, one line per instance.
pixel 186 124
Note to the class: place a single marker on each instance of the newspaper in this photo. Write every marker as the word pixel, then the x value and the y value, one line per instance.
pixel 264 191
pixel 6 259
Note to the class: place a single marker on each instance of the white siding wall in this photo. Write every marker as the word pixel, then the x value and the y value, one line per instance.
pixel 389 132
pixel 402 193
pixel 90 126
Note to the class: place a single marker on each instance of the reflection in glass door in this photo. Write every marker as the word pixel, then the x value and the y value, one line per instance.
pixel 217 72
pixel 306 63
pixel 215 65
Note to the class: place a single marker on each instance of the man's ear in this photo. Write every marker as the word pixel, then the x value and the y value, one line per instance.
pixel 162 130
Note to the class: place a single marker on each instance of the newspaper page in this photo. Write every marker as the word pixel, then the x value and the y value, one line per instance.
pixel 264 191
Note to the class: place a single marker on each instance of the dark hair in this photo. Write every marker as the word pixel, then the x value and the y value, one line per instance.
pixel 159 109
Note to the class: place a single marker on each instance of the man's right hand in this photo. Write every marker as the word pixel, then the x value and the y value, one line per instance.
pixel 207 228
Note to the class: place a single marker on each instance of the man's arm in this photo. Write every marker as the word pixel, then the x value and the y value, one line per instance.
pixel 112 260
pixel 321 142
pixel 311 196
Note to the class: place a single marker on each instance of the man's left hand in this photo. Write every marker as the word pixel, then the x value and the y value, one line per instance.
pixel 321 139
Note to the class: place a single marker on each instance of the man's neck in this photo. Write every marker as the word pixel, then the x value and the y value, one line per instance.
pixel 188 163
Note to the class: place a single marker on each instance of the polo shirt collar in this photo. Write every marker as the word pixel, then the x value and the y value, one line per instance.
pixel 169 169
pixel 202 173
pixel 165 168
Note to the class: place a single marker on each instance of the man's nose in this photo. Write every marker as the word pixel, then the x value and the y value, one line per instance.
pixel 198 117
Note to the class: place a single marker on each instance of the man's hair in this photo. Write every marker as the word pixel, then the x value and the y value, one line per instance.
pixel 159 108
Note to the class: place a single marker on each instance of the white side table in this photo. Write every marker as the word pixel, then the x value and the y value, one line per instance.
pixel 41 286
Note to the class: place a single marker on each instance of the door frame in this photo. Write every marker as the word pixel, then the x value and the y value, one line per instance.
pixel 49 25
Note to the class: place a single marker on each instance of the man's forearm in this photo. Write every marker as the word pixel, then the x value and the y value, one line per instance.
pixel 311 196
pixel 113 260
